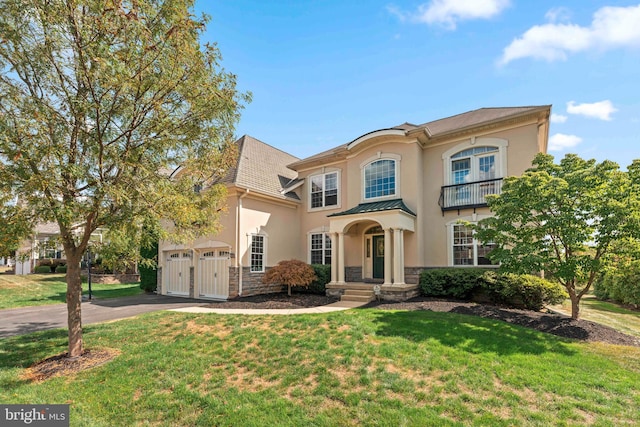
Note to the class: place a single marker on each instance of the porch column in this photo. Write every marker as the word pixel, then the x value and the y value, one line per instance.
pixel 341 258
pixel 334 258
pixel 387 256
pixel 398 259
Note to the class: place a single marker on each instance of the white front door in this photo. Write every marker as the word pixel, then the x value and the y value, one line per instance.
pixel 213 274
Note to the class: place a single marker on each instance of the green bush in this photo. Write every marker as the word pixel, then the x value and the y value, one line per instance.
pixel 319 285
pixel 61 269
pixel 459 283
pixel 620 284
pixel 41 269
pixel 482 285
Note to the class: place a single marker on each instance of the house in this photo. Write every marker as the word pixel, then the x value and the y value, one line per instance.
pixel 378 209
pixel 43 244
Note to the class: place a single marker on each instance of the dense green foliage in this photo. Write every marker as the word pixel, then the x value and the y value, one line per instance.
pixel 149 258
pixel 515 290
pixel 41 269
pixel 563 219
pixel 621 284
pixel 61 269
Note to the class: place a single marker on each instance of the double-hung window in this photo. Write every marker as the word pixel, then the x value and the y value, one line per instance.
pixel 324 190
pixel 257 252
pixel 320 248
pixel 467 250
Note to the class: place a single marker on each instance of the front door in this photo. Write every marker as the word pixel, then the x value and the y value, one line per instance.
pixel 378 257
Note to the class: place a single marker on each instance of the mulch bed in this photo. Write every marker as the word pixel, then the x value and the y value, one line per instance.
pixel 60 365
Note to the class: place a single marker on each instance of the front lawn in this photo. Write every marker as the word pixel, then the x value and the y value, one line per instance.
pixel 606 313
pixel 41 289
pixel 359 367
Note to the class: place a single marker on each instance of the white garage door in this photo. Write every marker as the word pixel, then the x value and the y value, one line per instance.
pixel 213 274
pixel 176 276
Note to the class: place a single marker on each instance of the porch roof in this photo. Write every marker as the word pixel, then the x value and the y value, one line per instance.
pixel 386 205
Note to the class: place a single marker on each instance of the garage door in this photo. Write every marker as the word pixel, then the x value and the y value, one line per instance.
pixel 213 274
pixel 177 273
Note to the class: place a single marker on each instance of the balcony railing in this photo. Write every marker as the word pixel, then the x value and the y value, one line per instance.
pixel 469 195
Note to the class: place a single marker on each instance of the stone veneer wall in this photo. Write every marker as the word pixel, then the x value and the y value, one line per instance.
pixel 159 282
pixel 192 287
pixel 412 274
pixel 251 283
pixel 353 274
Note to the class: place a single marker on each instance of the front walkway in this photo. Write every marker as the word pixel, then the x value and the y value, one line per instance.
pixel 336 306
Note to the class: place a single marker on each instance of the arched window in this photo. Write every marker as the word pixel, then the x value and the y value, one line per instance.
pixel 380 179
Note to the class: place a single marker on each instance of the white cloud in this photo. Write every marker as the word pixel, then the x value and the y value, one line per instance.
pixel 558 14
pixel 599 110
pixel 558 118
pixel 611 27
pixel 561 141
pixel 449 12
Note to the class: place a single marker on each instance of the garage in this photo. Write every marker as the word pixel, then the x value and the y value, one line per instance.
pixel 213 273
pixel 176 273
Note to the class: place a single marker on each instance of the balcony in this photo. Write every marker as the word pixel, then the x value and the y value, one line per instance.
pixel 469 195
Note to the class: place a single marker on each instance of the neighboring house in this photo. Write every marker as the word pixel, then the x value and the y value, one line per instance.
pixel 378 209
pixel 44 243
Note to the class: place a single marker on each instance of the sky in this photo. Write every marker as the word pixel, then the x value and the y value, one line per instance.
pixel 322 73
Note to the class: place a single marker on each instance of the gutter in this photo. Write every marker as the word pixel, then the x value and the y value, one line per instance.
pixel 238 230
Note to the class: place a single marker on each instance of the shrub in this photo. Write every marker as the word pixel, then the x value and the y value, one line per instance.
pixel 513 290
pixel 319 285
pixel 61 269
pixel 291 273
pixel 41 269
pixel 459 283
pixel 620 284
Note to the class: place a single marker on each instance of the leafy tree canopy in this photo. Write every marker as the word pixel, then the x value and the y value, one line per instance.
pixel 99 101
pixel 563 219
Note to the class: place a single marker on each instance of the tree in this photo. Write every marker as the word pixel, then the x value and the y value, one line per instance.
pixel 291 273
pixel 99 101
pixel 563 219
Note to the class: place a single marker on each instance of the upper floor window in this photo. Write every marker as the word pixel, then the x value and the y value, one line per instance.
pixel 380 179
pixel 474 164
pixel 324 190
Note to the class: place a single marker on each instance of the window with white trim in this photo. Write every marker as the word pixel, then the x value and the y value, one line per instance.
pixel 257 252
pixel 474 164
pixel 320 248
pixel 324 190
pixel 466 249
pixel 380 179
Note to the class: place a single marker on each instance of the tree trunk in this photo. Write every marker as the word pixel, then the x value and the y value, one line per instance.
pixel 575 304
pixel 74 305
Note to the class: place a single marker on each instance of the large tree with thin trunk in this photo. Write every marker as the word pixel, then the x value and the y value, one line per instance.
pixel 99 99
pixel 563 219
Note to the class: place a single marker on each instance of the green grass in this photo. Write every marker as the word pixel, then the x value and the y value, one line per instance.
pixel 42 289
pixel 359 367
pixel 606 313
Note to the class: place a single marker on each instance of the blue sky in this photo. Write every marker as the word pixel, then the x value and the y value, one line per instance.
pixel 323 73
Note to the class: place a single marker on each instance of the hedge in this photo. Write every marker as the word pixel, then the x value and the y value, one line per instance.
pixel 41 269
pixel 482 285
pixel 620 284
pixel 61 269
pixel 318 286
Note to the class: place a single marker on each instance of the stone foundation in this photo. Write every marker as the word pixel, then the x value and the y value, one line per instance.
pixel 399 292
pixel 353 274
pixel 251 283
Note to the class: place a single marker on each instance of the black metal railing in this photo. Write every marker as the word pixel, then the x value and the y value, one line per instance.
pixel 468 195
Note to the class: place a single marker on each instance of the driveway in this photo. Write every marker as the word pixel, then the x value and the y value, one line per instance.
pixel 18 321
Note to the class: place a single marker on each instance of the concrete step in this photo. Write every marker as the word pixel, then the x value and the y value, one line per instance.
pixel 359 292
pixel 357 298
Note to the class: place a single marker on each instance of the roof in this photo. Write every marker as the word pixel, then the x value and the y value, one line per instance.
pixel 435 128
pixel 386 205
pixel 262 168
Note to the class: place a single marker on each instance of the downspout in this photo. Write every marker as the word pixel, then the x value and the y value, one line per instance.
pixel 238 231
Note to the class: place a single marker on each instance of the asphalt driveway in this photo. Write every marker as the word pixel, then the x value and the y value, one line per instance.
pixel 18 321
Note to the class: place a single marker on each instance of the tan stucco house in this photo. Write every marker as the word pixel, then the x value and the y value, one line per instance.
pixel 378 209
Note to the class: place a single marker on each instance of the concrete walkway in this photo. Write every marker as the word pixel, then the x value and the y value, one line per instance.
pixel 19 321
pixel 336 306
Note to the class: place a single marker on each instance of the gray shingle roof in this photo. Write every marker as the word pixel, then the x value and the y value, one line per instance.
pixel 262 168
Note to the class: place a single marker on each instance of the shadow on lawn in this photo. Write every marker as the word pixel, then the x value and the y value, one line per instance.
pixel 468 333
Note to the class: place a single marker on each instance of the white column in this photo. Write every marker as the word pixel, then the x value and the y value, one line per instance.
pixel 334 258
pixel 341 258
pixel 387 256
pixel 398 258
